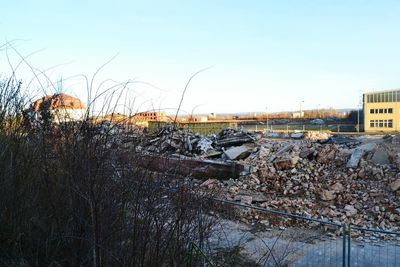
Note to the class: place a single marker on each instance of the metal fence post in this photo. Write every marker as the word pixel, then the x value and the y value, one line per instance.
pixel 190 260
pixel 344 246
pixel 348 245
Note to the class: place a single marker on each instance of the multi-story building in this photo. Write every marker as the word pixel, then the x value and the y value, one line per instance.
pixel 149 116
pixel 382 111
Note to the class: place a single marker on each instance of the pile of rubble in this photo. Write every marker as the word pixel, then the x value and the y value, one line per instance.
pixel 344 182
pixel 335 178
pixel 227 145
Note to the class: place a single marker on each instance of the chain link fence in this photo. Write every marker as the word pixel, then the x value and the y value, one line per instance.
pixel 275 238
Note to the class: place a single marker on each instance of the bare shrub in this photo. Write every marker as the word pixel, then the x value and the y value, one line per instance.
pixel 71 194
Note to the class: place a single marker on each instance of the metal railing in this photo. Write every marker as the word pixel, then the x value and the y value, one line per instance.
pixel 289 128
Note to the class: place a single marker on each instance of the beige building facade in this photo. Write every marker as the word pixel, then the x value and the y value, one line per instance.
pixel 382 111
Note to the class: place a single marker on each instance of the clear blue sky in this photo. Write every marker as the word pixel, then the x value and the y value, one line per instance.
pixel 264 53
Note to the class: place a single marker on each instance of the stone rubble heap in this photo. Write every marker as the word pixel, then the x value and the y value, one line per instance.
pixel 175 141
pixel 335 178
pixel 344 182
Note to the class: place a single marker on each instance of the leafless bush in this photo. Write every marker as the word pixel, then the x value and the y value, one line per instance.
pixel 71 194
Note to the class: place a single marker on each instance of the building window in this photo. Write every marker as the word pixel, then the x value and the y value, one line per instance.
pixel 385 97
pixel 381 111
pixel 381 123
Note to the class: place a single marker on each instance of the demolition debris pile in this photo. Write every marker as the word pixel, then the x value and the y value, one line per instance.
pixel 174 141
pixel 338 178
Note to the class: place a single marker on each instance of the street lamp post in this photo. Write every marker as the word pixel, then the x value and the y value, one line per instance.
pixel 301 115
pixel 358 111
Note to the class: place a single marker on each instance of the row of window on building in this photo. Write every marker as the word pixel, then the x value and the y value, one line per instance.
pixel 381 123
pixel 390 96
pixel 381 111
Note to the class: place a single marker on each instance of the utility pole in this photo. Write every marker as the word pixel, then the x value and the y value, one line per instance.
pixel 266 112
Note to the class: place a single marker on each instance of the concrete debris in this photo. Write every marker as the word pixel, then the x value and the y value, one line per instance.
pixel 395 185
pixel 355 158
pixel 380 157
pixel 340 179
pixel 284 149
pixel 238 152
pixel 170 141
pixel 350 210
pixel 327 195
pixel 210 183
pixel 341 140
pixel 367 147
pixel 337 187
pixel 284 164
pixel 331 181
pixel 246 200
pixel 263 152
pixel 204 144
pixel 231 137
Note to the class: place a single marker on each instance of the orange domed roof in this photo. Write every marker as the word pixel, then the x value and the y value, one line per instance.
pixel 57 101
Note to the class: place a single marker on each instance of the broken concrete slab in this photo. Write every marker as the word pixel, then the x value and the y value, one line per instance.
pixel 340 139
pixel 237 152
pixel 285 149
pixel 368 147
pixel 355 158
pixel 212 154
pixel 281 151
pixel 380 157
pixel 246 200
pixel 204 144
pixel 233 141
